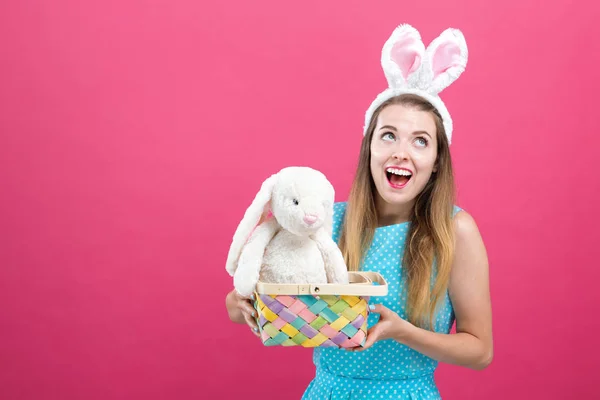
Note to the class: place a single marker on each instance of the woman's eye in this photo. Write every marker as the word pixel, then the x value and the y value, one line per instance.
pixel 388 136
pixel 421 141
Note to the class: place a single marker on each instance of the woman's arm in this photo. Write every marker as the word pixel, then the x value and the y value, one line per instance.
pixel 469 291
pixel 471 346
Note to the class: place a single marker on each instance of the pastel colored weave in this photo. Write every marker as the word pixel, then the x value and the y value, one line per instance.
pixel 311 320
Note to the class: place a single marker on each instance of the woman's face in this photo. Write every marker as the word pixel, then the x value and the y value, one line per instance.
pixel 403 154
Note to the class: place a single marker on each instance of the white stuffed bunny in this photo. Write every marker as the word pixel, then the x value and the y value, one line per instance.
pixel 293 244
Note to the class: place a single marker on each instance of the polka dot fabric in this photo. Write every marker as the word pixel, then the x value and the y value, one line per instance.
pixel 387 370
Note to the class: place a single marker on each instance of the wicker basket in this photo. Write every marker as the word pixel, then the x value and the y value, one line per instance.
pixel 327 315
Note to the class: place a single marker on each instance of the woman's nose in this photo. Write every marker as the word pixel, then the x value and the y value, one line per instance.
pixel 400 152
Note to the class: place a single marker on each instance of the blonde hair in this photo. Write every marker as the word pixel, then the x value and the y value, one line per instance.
pixel 431 234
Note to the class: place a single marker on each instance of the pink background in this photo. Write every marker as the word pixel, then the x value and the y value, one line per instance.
pixel 135 134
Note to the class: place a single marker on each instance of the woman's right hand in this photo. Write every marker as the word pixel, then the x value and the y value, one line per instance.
pixel 241 310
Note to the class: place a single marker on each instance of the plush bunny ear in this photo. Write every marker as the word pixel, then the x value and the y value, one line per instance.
pixel 447 58
pixel 402 56
pixel 259 206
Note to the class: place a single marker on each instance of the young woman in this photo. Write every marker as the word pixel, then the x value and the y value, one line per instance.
pixel 400 220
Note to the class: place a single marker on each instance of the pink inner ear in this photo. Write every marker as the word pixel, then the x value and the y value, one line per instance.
pixel 446 56
pixel 268 216
pixel 406 55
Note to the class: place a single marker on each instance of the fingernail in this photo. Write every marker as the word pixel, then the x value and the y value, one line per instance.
pixel 255 329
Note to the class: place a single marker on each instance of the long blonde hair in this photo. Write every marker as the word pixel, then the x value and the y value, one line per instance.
pixel 431 233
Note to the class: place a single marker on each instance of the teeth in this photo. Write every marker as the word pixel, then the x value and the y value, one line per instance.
pixel 401 172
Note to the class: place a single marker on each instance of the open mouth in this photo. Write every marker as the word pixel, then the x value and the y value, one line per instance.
pixel 398 177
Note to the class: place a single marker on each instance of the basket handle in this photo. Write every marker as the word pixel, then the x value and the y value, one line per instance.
pixel 374 277
pixel 366 288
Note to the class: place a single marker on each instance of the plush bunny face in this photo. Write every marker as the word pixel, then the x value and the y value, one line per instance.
pixel 302 200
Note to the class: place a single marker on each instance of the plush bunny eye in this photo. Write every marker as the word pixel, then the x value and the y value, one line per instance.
pixel 296 202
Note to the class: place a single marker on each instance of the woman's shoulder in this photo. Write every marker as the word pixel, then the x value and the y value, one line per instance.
pixel 456 210
pixel 339 207
pixel 465 225
pixel 339 210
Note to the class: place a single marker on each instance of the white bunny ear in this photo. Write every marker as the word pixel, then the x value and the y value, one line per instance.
pixel 402 56
pixel 259 206
pixel 447 57
pixel 410 69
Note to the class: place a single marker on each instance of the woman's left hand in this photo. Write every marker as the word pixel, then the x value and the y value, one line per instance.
pixel 390 326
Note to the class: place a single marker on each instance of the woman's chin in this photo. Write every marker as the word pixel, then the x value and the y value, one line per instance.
pixel 395 199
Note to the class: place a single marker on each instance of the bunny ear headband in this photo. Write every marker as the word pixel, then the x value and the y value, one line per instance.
pixel 410 68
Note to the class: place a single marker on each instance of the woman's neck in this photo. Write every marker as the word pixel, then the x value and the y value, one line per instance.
pixel 391 214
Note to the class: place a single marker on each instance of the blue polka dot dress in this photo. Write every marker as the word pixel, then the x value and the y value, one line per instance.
pixel 387 370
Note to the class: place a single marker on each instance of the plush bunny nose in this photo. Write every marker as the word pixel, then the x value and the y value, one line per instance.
pixel 310 219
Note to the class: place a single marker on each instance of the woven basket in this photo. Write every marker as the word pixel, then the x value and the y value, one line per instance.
pixel 327 315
